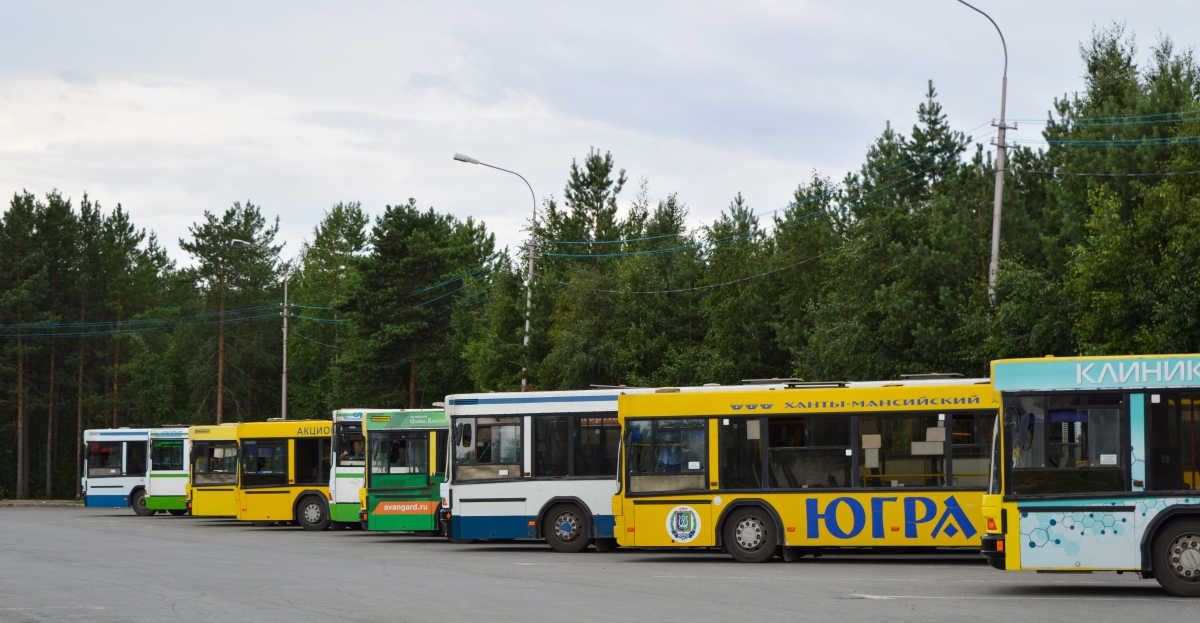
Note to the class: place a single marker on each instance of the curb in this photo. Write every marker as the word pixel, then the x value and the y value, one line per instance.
pixel 40 504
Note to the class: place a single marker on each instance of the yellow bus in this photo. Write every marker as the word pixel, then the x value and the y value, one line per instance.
pixel 283 472
pixel 794 469
pixel 212 471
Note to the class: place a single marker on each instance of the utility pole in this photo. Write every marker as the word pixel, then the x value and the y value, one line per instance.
pixel 221 352
pixel 998 201
pixel 242 244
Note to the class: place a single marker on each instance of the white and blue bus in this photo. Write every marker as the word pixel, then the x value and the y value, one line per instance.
pixel 536 465
pixel 114 475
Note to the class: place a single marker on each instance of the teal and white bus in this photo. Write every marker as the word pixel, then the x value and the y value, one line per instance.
pixel 114 473
pixel 1095 468
pixel 166 484
pixel 349 451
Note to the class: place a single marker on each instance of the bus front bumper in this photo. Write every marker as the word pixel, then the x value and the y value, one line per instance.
pixel 992 548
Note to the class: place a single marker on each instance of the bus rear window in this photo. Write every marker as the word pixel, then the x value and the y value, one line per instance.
pixel 104 459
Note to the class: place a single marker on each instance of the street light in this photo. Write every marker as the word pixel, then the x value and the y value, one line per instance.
pixel 994 265
pixel 532 241
pixel 242 244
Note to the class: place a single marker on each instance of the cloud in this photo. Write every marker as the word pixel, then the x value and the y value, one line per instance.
pixel 76 76
pixel 172 110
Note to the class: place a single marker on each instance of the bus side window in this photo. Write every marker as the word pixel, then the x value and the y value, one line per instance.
pixel 135 458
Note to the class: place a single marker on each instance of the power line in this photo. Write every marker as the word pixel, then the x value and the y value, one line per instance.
pixel 1080 174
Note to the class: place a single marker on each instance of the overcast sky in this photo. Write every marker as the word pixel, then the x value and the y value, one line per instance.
pixel 176 108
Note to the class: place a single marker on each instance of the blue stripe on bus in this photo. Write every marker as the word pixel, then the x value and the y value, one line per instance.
pixel 118 433
pixel 497 527
pixel 534 400
pixel 106 501
pixel 513 526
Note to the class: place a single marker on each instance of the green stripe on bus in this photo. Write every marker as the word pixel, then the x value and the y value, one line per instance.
pixel 153 475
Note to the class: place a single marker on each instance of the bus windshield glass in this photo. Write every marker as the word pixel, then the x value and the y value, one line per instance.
pixel 1066 444
pixel 397 452
pixel 104 459
pixel 214 462
pixel 350 445
pixel 166 455
pixel 487 447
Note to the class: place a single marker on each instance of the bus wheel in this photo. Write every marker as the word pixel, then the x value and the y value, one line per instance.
pixel 1176 558
pixel 138 502
pixel 565 529
pixel 313 514
pixel 750 535
pixel 178 511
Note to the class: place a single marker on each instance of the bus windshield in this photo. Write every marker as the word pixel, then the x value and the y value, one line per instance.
pixel 349 444
pixel 487 447
pixel 214 462
pixel 104 459
pixel 166 455
pixel 399 452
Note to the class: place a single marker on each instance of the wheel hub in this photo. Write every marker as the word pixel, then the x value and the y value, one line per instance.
pixel 1184 554
pixel 566 526
pixel 749 533
pixel 312 513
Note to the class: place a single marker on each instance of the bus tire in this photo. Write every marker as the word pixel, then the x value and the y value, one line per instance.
pixel 1176 557
pixel 312 514
pixel 178 512
pixel 566 529
pixel 750 534
pixel 138 502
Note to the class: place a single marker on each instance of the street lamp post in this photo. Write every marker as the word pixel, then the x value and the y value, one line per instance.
pixel 997 204
pixel 242 244
pixel 532 241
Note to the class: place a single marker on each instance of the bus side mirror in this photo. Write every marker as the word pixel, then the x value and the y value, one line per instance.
pixel 462 434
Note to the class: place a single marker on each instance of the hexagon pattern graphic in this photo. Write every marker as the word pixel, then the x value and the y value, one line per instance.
pixel 1102 537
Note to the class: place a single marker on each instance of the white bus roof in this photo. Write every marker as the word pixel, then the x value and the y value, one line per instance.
pixel 116 434
pixel 568 401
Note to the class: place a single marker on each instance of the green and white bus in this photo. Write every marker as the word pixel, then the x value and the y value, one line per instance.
pixel 406 467
pixel 166 485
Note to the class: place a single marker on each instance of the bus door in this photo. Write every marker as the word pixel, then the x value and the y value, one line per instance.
pixel 347 478
pixel 667 456
pixel 1173 441
pixel 400 464
pixel 312 461
pixel 489 495
pixel 1073 444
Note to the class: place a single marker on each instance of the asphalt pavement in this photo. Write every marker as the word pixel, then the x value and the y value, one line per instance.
pixel 79 564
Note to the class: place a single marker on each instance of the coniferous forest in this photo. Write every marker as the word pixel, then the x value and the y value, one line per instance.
pixel 879 273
